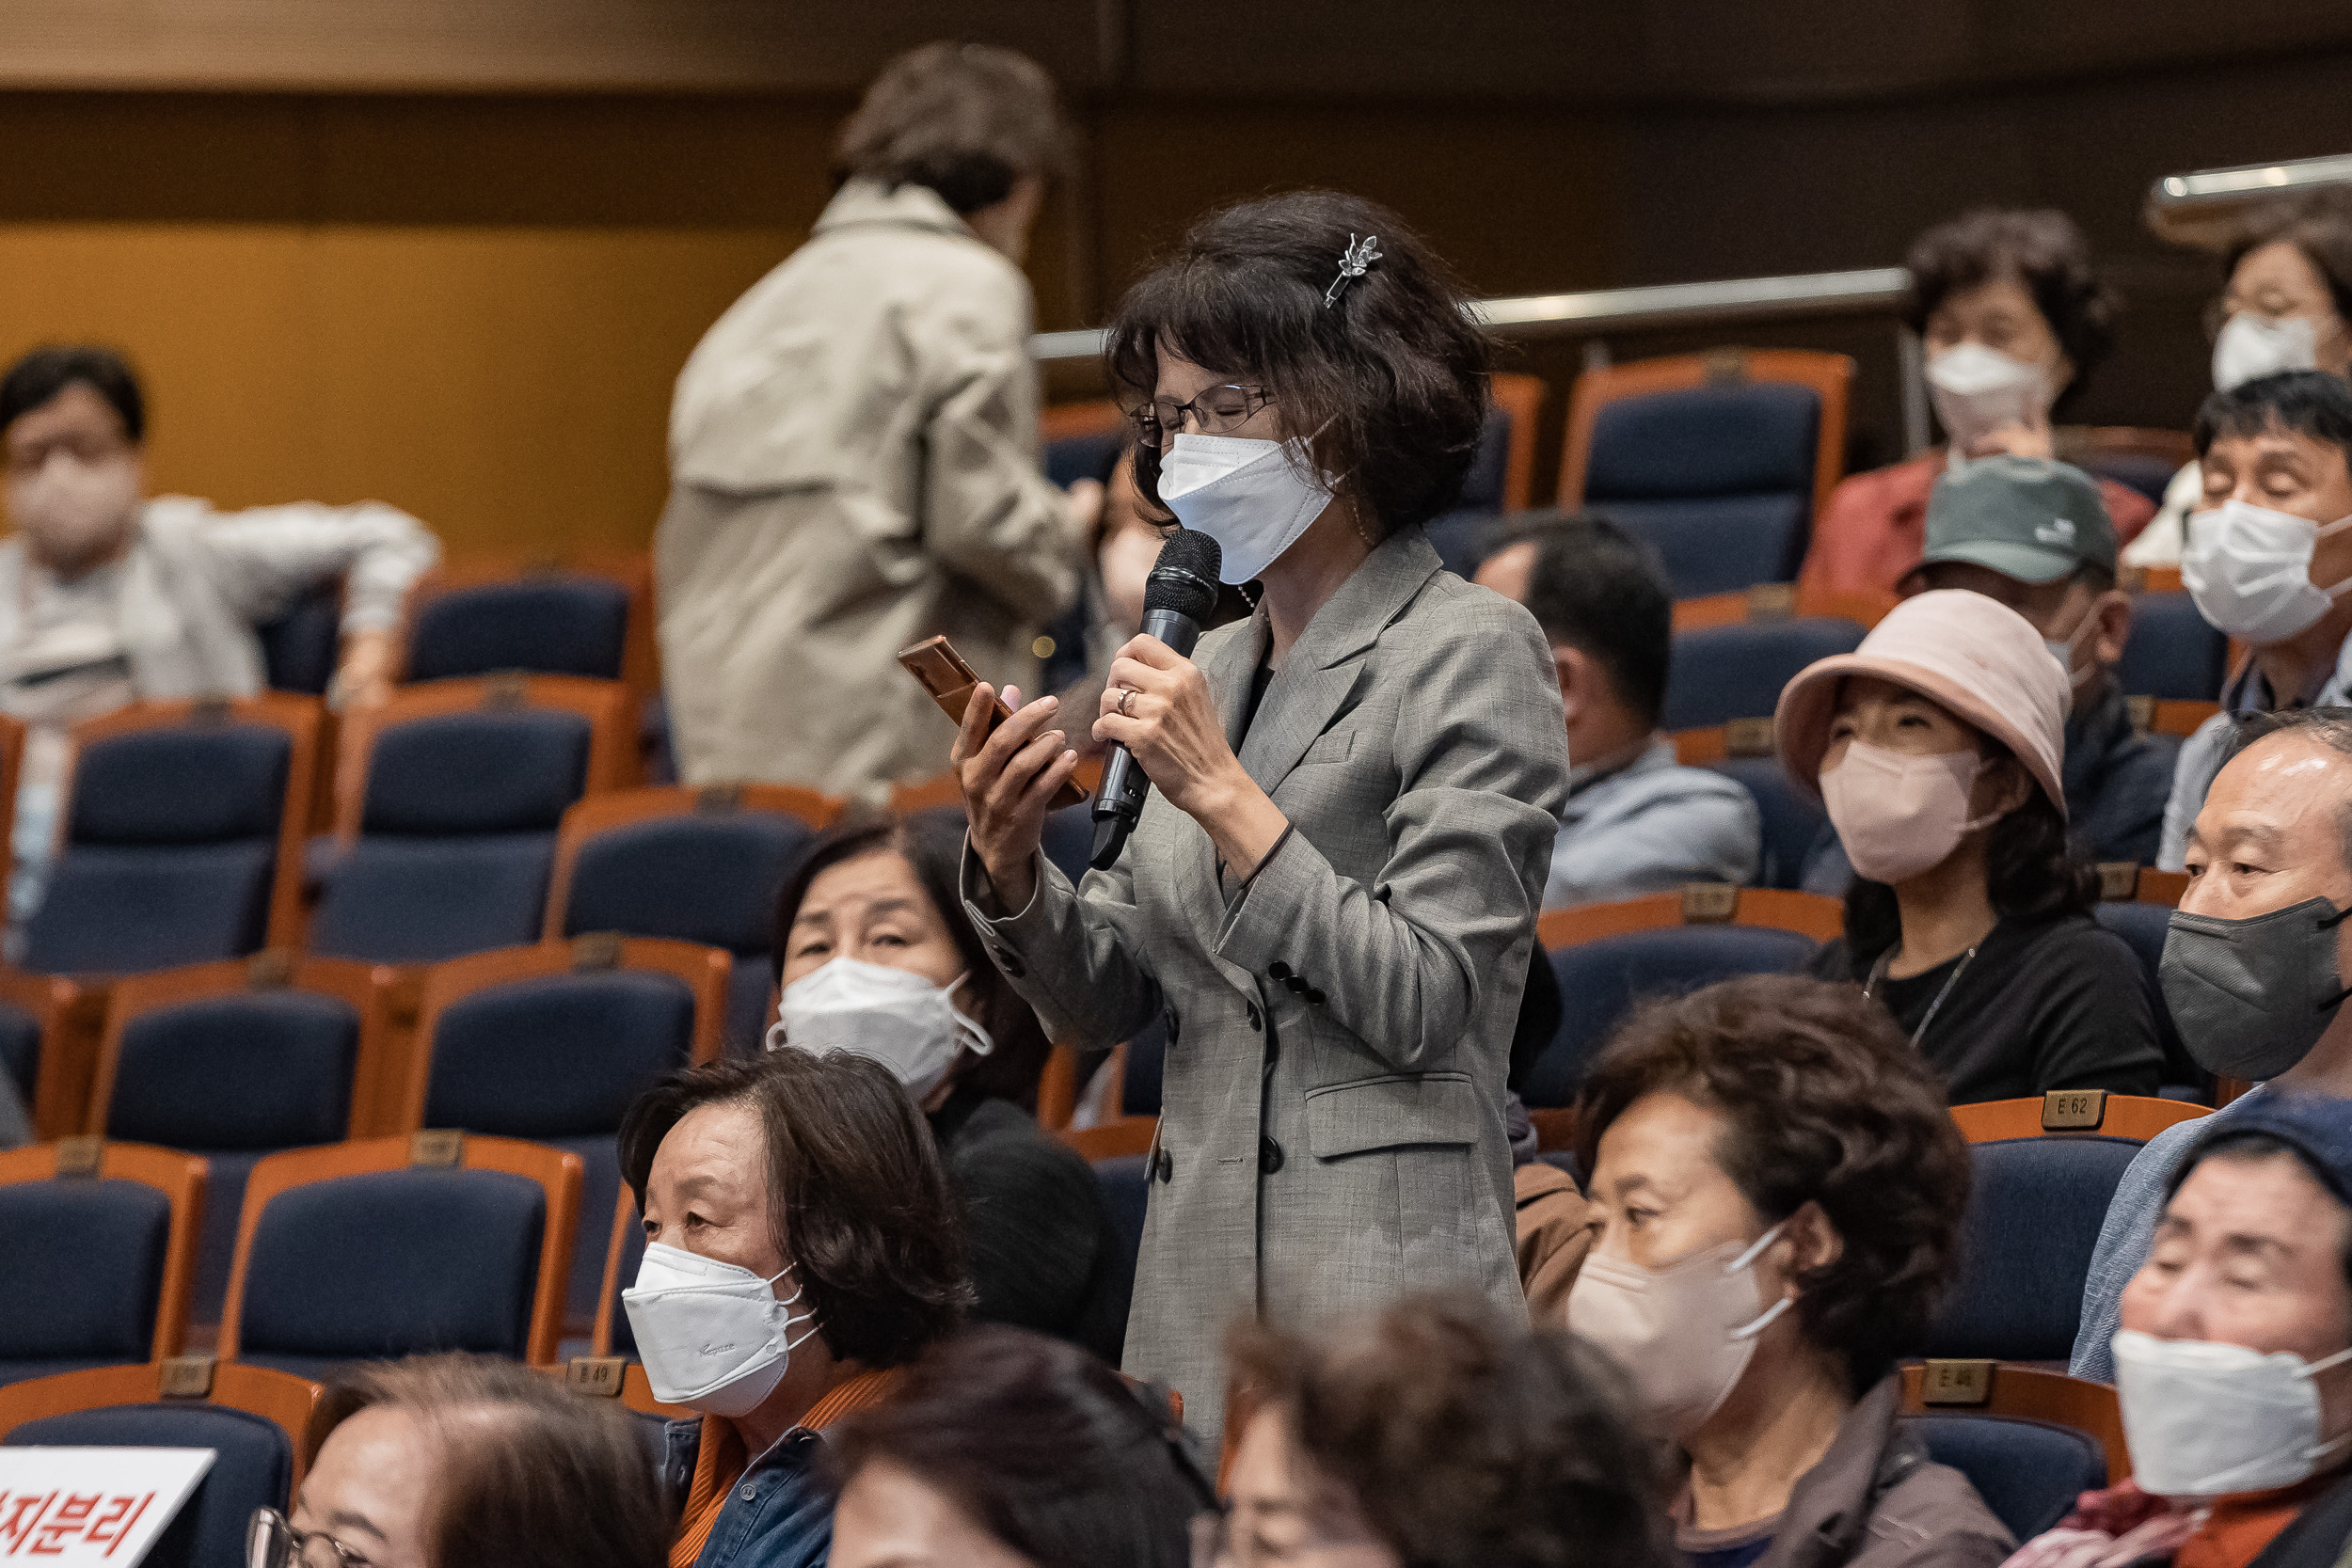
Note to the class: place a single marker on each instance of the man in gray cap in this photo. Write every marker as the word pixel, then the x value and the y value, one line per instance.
pixel 2035 535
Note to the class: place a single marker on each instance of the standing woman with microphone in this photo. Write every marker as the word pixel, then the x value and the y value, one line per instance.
pixel 1330 894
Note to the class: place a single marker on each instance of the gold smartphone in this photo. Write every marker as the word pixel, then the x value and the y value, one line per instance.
pixel 935 662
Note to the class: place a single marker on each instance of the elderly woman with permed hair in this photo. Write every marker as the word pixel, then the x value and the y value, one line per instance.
pixel 1780 1192
pixel 1332 892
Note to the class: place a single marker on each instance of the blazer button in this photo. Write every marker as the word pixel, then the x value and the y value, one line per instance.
pixel 1269 1156
pixel 1165 1167
pixel 1295 984
pixel 1255 1022
pixel 1314 998
pixel 1280 970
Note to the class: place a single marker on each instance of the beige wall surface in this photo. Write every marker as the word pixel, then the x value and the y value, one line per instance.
pixel 508 385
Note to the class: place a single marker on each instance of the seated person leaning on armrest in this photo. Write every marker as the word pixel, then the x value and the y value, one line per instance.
pixel 109 598
pixel 1636 820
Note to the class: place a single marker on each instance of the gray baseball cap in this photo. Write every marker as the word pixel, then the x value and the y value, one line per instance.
pixel 2024 518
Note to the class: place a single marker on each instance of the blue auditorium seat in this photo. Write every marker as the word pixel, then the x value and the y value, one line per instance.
pixel 19 1049
pixel 2172 650
pixel 1600 980
pixel 1090 456
pixel 2034 1210
pixel 1460 535
pixel 300 649
pixel 1068 838
pixel 1719 479
pixel 392 1263
pixel 232 1079
pixel 170 846
pixel 456 836
pixel 1126 1187
pixel 2027 1472
pixel 632 1253
pixel 1720 673
pixel 83 1274
pixel 1792 816
pixel 553 624
pixel 558 1059
pixel 1147 1060
pixel 252 1467
pixel 707 876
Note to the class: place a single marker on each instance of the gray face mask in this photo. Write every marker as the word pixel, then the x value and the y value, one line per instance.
pixel 2252 997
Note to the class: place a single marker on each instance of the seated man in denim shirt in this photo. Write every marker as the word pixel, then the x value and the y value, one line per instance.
pixel 801 1247
pixel 1636 820
pixel 2271 835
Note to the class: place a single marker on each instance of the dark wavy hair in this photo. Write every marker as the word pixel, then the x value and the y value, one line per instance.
pixel 1466 1441
pixel 857 1198
pixel 2044 253
pixel 1392 373
pixel 1051 1452
pixel 931 844
pixel 527 1474
pixel 41 375
pixel 2320 226
pixel 969 120
pixel 2030 870
pixel 1827 1104
pixel 2312 403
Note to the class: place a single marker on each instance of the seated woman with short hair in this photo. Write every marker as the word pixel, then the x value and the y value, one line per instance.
pixel 801 1246
pixel 1434 1433
pixel 2235 1359
pixel 876 956
pixel 1011 1449
pixel 1938 746
pixel 1780 1191
pixel 453 1461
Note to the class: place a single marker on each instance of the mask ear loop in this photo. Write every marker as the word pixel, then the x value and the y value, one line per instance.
pixel 1772 1313
pixel 975 1038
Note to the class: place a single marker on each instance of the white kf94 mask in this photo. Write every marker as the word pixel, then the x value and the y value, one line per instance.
pixel 2205 1420
pixel 711 1335
pixel 2248 570
pixel 894 1016
pixel 1254 498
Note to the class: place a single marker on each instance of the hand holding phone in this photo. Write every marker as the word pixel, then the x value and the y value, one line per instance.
pixel 950 681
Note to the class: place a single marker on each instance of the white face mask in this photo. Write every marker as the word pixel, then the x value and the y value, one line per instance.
pixel 2063 651
pixel 75 511
pixel 2252 346
pixel 1254 498
pixel 1684 1333
pixel 1978 391
pixel 712 1335
pixel 2249 571
pixel 894 1016
pixel 2205 1420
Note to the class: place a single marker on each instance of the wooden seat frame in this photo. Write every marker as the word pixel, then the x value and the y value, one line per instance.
pixel 72 1015
pixel 640 663
pixel 593 815
pixel 2073 1113
pixel 279 1396
pixel 611 753
pixel 1767 602
pixel 558 1174
pixel 301 720
pixel 368 990
pixel 1698 904
pixel 178 1177
pixel 2026 1393
pixel 1830 376
pixel 704 972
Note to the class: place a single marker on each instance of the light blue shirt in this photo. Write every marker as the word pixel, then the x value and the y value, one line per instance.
pixel 2204 752
pixel 1651 826
pixel 2129 1230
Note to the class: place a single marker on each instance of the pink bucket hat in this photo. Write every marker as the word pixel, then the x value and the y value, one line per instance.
pixel 1972 655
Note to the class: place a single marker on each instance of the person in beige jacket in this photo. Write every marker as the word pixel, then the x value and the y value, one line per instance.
pixel 853 450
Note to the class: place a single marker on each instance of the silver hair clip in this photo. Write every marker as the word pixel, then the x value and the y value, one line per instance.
pixel 1354 262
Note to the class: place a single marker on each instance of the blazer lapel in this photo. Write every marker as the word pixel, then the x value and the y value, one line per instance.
pixel 1325 664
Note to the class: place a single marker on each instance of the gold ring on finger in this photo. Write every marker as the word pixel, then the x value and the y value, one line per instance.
pixel 1125 694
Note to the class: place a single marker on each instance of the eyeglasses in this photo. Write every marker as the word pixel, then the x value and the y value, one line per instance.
pixel 1216 412
pixel 272 1543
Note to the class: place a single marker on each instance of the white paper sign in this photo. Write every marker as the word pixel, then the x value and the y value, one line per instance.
pixel 91 1505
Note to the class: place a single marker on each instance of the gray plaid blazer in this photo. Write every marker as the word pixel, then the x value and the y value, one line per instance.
pixel 1331 1127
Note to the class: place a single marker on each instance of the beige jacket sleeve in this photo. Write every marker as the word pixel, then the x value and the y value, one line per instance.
pixel 989 511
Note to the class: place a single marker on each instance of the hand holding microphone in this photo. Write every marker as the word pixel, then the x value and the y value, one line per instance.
pixel 1156 711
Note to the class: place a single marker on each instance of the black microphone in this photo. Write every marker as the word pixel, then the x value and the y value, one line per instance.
pixel 1180 594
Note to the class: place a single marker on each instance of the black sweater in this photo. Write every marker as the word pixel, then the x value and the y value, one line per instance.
pixel 1044 1254
pixel 2056 1002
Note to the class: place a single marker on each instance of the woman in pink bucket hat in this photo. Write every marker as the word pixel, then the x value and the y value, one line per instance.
pixel 1938 748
